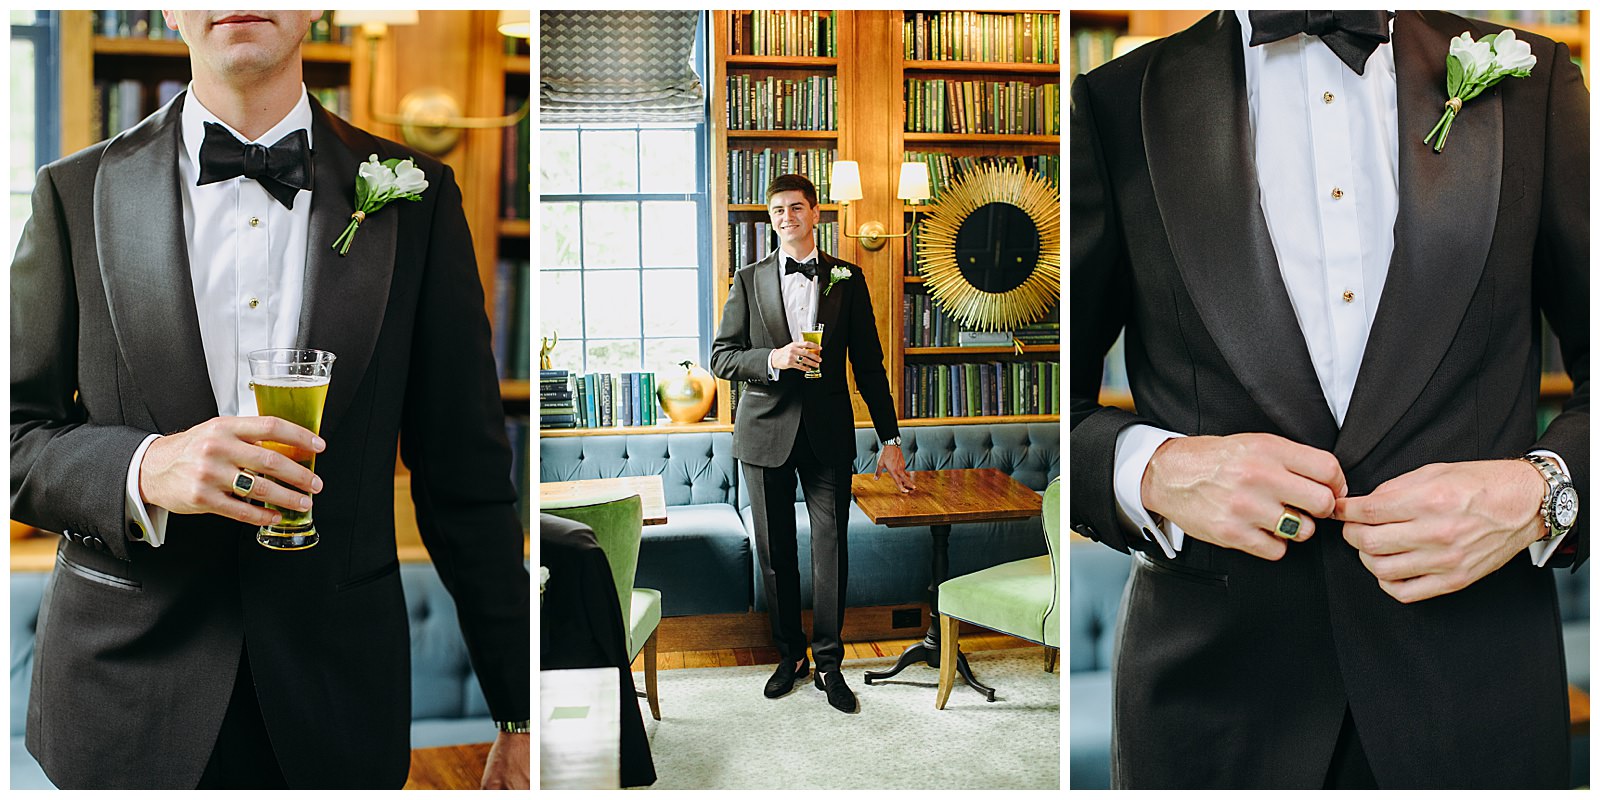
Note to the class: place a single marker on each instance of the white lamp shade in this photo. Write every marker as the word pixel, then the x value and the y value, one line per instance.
pixel 347 18
pixel 914 181
pixel 845 181
pixel 515 23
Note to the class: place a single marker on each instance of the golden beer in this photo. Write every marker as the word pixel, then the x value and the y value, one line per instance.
pixel 814 337
pixel 291 385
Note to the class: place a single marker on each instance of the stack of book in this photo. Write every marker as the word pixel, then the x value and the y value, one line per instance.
pixel 945 168
pixel 749 171
pixel 557 405
pixel 782 104
pixel 783 33
pixel 1044 332
pixel 974 36
pixel 974 390
pixel 749 242
pixel 607 400
pixel 939 105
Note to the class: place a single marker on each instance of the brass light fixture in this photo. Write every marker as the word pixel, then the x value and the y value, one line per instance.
pixel 845 183
pixel 430 119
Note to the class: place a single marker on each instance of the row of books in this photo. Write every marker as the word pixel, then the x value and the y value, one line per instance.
pixel 1528 16
pixel 519 433
pixel 926 323
pixel 945 168
pixel 120 105
pixel 515 185
pixel 976 36
pixel 597 399
pixel 749 171
pixel 981 390
pixel 512 314
pixel 1046 331
pixel 151 25
pixel 782 104
pixel 783 33
pixel 749 242
pixel 1008 107
pixel 1091 47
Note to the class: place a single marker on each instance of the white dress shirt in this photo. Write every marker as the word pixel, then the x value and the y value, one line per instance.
pixel 1327 161
pixel 247 260
pixel 799 301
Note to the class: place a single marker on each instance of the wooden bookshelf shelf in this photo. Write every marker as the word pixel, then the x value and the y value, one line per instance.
pixel 988 420
pixel 982 139
pixel 783 134
pixel 639 430
pixel 915 279
pixel 981 351
pixel 515 390
pixel 1012 67
pixel 328 52
pixel 518 65
pixel 515 228
pixel 781 62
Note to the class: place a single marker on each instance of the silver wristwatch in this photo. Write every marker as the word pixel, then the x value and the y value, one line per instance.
pixel 886 442
pixel 1560 506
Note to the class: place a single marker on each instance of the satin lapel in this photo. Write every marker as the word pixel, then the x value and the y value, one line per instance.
pixel 769 300
pixel 1448 205
pixel 1202 167
pixel 829 303
pixel 345 296
pixel 144 264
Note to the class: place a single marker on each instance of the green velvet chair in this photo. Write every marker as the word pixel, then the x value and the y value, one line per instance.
pixel 618 524
pixel 1019 598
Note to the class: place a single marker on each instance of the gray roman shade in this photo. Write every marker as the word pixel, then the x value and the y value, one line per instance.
pixel 618 66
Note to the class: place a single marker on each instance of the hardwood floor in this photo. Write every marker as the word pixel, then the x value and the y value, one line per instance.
pixel 745 656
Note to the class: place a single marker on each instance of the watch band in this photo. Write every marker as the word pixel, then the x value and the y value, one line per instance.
pixel 895 441
pixel 1555 481
pixel 512 727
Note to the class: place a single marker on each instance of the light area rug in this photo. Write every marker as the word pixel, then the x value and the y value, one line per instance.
pixel 717 731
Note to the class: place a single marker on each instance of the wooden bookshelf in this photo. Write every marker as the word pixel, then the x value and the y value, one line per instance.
pixel 461 52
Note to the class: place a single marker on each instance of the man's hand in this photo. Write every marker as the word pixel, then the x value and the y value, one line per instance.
pixel 890 458
pixel 509 762
pixel 796 355
pixel 192 472
pixel 1440 528
pixel 1232 490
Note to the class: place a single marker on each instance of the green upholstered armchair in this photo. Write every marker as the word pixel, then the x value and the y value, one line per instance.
pixel 1019 598
pixel 618 526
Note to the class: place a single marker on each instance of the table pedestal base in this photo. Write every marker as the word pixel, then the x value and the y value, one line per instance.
pixel 927 652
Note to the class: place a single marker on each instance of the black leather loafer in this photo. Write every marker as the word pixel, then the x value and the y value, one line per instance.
pixel 782 680
pixel 839 694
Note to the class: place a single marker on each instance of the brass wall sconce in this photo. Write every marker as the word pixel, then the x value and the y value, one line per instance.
pixel 845 180
pixel 430 119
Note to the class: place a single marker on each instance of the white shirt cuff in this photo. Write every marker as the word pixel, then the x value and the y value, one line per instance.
pixel 148 520
pixel 1540 552
pixel 1135 446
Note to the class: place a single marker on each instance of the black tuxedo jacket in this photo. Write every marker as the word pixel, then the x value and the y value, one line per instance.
pixel 138 647
pixel 1234 671
pixel 753 325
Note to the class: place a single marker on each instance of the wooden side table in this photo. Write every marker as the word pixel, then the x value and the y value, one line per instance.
pixel 942 498
pixel 650 489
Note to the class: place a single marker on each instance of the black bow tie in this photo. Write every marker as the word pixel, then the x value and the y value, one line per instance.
pixel 791 266
pixel 1351 35
pixel 282 169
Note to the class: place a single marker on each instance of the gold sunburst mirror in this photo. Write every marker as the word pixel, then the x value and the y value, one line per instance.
pixel 990 248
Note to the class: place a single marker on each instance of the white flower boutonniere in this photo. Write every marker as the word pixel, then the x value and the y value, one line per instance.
pixel 1473 67
pixel 376 184
pixel 835 275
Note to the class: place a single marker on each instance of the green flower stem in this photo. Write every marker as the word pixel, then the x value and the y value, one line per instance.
pixel 1442 129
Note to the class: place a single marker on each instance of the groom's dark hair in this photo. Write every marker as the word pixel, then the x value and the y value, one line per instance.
pixel 793 183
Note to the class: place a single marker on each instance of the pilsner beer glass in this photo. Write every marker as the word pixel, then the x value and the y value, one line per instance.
pixel 293 385
pixel 814 337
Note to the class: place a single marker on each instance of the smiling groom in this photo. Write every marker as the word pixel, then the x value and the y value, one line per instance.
pixel 790 425
pixel 172 650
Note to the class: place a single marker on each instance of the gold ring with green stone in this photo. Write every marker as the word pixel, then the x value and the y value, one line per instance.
pixel 1288 524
